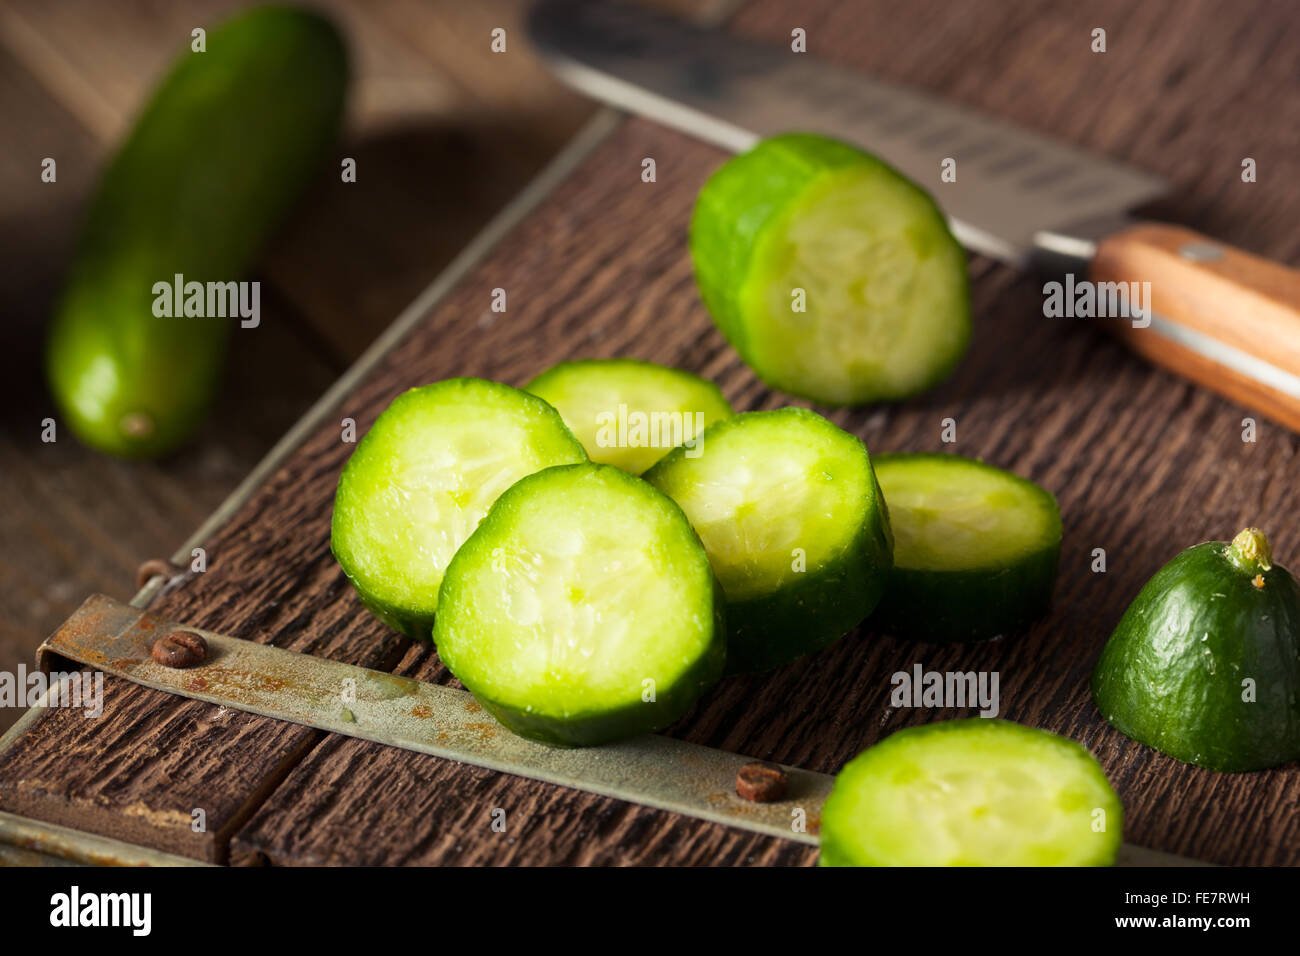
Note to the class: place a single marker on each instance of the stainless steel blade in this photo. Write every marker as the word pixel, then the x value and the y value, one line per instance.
pixel 655 771
pixel 1011 184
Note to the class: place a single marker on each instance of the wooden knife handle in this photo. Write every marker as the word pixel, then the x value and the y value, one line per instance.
pixel 1226 295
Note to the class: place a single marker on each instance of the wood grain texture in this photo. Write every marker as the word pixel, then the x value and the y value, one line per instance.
pixel 1143 465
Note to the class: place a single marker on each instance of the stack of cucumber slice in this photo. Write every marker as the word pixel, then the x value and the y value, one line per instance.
pixel 581 603
pixel 591 554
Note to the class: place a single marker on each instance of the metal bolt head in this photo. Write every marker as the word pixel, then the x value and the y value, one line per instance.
pixel 180 649
pixel 761 782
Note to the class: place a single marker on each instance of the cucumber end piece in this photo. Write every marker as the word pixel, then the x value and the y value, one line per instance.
pixel 1204 665
pixel 835 277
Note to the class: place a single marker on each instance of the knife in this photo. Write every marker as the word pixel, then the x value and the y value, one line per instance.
pixel 1219 316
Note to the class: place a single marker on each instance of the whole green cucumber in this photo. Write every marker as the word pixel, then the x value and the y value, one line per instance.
pixel 210 169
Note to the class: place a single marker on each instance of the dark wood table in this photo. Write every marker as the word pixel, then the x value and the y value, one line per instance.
pixel 424 107
pixel 1143 465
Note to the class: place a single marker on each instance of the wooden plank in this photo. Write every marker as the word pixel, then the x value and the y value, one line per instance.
pixel 601 269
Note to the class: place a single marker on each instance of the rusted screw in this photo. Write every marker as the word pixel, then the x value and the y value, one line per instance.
pixel 761 782
pixel 180 649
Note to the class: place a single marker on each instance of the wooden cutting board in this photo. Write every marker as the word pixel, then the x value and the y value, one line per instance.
pixel 1142 463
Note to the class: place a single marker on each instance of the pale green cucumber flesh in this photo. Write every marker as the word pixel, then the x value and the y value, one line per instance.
pixel 834 276
pixel 786 505
pixel 583 609
pixel 424 476
pixel 958 514
pixel 627 412
pixel 972 792
pixel 975 548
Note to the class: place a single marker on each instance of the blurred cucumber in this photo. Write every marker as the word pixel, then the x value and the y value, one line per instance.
pixel 212 166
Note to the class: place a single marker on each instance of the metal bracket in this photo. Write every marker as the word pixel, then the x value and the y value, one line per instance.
pixel 652 770
pixel 427 718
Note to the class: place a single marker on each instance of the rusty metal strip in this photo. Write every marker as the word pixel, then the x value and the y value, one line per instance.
pixel 37 842
pixel 397 711
pixel 660 772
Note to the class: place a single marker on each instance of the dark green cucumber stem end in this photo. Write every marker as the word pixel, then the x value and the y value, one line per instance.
pixel 1251 551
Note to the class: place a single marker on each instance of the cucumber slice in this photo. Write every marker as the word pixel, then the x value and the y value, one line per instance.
pixel 794 525
pixel 975 548
pixel 583 609
pixel 421 480
pixel 630 413
pixel 886 294
pixel 972 793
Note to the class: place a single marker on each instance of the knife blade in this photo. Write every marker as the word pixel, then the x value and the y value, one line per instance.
pixel 1219 316
pixel 730 91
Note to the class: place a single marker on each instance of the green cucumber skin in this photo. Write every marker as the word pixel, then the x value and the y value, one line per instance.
pixel 723 245
pixel 418 627
pixel 967 606
pixel 766 632
pixel 588 730
pixel 825 605
pixel 1153 682
pixel 210 169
